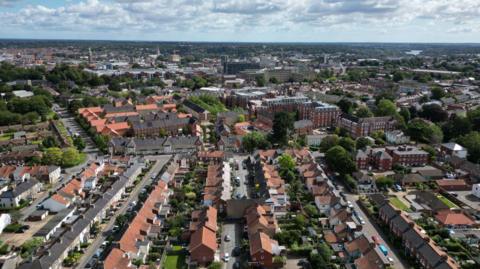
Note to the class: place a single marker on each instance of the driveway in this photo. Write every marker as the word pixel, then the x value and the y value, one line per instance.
pixel 234 230
pixel 147 180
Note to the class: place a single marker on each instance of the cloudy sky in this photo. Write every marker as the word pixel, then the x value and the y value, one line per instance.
pixel 244 20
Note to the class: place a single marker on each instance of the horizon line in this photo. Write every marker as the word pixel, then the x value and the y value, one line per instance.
pixel 244 42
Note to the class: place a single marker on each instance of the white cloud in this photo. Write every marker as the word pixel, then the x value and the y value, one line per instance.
pixel 111 17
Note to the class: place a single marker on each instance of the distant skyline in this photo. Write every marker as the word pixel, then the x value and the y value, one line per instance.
pixel 436 21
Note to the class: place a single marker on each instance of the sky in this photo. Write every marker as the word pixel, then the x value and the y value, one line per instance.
pixel 444 21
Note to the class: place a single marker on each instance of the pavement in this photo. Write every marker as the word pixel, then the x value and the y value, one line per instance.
pixel 468 198
pixel 234 230
pixel 242 174
pixel 147 180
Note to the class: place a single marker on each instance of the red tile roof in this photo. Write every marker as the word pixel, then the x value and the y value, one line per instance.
pixel 448 217
pixel 203 237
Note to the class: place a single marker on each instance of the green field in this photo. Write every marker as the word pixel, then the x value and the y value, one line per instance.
pixel 399 204
pixel 175 259
pixel 446 201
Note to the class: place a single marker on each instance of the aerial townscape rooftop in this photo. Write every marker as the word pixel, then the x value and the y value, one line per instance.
pixel 256 134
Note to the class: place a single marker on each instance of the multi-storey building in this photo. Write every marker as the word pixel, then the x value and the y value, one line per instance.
pixel 358 127
pixel 321 114
pixel 408 155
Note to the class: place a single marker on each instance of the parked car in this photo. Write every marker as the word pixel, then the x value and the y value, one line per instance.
pixel 375 239
pixel 383 249
pixel 226 257
pixel 227 238
pixel 392 261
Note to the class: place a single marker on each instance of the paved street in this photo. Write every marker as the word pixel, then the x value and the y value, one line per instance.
pixel 147 180
pixel 234 230
pixel 370 229
pixel 242 173
pixel 90 150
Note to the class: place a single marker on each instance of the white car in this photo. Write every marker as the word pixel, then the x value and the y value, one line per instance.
pixel 390 260
pixel 349 204
pixel 226 257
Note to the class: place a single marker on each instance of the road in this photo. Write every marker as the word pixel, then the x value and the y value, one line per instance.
pixel 147 180
pixel 242 174
pixel 90 150
pixel 370 228
pixel 234 230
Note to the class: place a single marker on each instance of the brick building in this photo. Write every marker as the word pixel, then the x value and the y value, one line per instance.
pixel 358 127
pixel 408 155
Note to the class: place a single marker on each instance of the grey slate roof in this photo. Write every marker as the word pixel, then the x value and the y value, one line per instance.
pixel 388 210
pixel 414 239
pixel 60 246
pixel 20 189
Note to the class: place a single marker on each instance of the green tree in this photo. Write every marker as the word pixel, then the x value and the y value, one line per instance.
pixel 286 162
pixel 282 125
pixel 434 113
pixel 260 81
pixel 255 140
pixel 386 108
pixel 215 265
pixel 53 156
pixel 362 143
pixel 455 127
pixel 364 112
pixel 398 76
pixel 384 182
pixel 405 113
pixel 471 141
pixel 50 142
pixel 422 131
pixel 437 93
pixel 273 80
pixel 79 143
pixel 329 142
pixel 340 161
pixel 30 246
pixel 241 118
pixel 431 151
pixel 474 118
pixel 311 210
pixel 347 143
pixel 346 106
pixel 71 157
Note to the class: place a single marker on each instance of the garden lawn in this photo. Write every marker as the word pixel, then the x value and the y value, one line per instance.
pixel 399 204
pixel 446 201
pixel 175 259
pixel 6 136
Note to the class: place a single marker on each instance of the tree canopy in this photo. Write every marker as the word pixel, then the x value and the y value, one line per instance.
pixel 471 141
pixel 282 125
pixel 340 161
pixel 255 140
pixel 423 131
